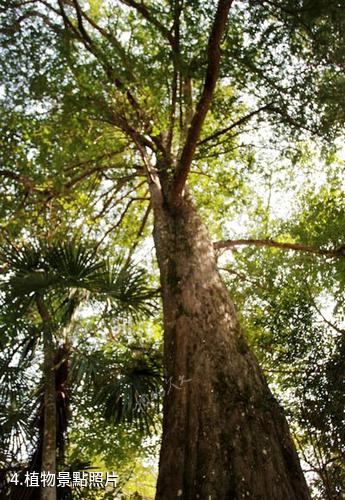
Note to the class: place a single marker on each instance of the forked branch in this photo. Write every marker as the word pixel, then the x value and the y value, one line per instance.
pixel 211 77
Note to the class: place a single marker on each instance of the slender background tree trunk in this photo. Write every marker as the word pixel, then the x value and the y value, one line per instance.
pixel 224 434
pixel 49 422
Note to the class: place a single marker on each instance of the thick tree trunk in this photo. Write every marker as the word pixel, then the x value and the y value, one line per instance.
pixel 224 434
pixel 49 420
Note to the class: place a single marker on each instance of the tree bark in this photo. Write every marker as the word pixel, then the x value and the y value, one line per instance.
pixel 49 419
pixel 224 434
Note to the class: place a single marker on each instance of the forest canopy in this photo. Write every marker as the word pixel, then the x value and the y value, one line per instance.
pixel 171 238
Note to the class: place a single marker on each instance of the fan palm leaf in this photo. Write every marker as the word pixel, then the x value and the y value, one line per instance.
pixel 125 391
pixel 74 265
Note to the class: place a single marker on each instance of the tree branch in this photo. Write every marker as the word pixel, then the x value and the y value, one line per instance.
pixel 84 175
pixel 16 25
pixel 139 233
pixel 114 41
pixel 329 323
pixel 239 122
pixel 83 36
pixel 31 187
pixel 175 45
pixel 22 179
pixel 79 31
pixel 120 219
pixel 211 77
pixel 298 247
pixel 145 12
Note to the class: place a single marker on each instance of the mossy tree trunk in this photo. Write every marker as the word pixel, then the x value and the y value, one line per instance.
pixel 224 434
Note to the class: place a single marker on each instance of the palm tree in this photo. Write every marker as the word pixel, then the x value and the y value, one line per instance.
pixel 46 284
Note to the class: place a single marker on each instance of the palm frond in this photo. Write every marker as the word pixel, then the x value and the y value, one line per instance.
pixel 68 306
pixel 126 384
pixel 131 396
pixel 17 409
pixel 32 282
pixel 70 265
pixel 21 259
pixel 126 286
pixel 75 262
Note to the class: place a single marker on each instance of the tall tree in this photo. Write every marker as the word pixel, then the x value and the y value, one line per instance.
pixel 145 74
